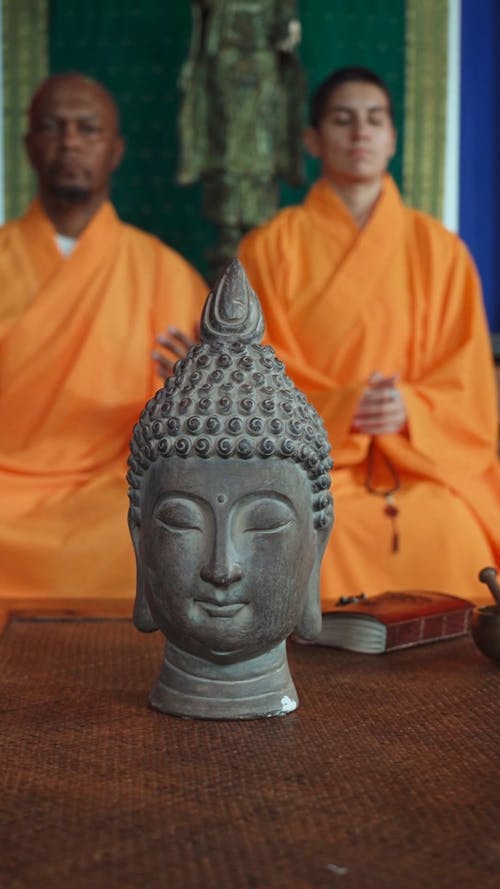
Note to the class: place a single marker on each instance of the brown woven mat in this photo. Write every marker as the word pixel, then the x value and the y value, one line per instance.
pixel 385 778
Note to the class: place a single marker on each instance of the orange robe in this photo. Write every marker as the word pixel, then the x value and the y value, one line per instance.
pixel 401 296
pixel 76 335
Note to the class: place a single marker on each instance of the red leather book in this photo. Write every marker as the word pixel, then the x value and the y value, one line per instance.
pixel 393 620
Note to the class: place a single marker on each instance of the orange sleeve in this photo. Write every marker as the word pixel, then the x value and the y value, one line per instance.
pixel 180 293
pixel 451 403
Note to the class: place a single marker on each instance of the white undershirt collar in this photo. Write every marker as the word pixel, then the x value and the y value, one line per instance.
pixel 65 244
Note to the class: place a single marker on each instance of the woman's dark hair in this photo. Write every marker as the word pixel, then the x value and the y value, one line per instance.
pixel 353 74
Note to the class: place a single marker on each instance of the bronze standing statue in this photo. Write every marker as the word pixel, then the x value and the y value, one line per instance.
pixel 230 512
pixel 241 116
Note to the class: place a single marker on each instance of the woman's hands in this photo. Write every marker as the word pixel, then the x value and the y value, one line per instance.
pixel 381 409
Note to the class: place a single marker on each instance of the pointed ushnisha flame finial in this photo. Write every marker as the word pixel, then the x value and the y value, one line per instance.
pixel 232 310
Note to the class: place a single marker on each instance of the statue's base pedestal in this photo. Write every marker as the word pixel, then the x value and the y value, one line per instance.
pixel 189 686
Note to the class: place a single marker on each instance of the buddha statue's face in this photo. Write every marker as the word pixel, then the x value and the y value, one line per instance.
pixel 227 554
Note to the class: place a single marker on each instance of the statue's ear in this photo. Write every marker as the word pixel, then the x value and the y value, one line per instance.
pixel 309 622
pixel 143 618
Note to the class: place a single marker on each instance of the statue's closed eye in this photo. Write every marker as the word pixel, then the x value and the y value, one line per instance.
pixel 266 514
pixel 179 515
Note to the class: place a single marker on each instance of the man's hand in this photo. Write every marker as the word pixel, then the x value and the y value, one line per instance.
pixel 381 409
pixel 177 343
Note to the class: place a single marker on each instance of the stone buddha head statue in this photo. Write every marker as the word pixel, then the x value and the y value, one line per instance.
pixel 230 512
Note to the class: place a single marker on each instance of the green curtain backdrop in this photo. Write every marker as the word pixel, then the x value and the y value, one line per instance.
pixel 24 66
pixel 137 50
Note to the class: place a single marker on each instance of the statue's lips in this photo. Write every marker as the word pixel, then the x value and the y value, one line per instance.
pixel 215 610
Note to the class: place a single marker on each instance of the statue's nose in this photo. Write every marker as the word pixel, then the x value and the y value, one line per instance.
pixel 221 567
pixel 221 576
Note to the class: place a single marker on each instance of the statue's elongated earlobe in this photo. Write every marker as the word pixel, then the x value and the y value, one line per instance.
pixel 143 618
pixel 309 621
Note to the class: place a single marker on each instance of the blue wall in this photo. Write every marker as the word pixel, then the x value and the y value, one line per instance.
pixel 480 145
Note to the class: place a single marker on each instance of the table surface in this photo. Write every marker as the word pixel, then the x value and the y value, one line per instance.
pixel 386 776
